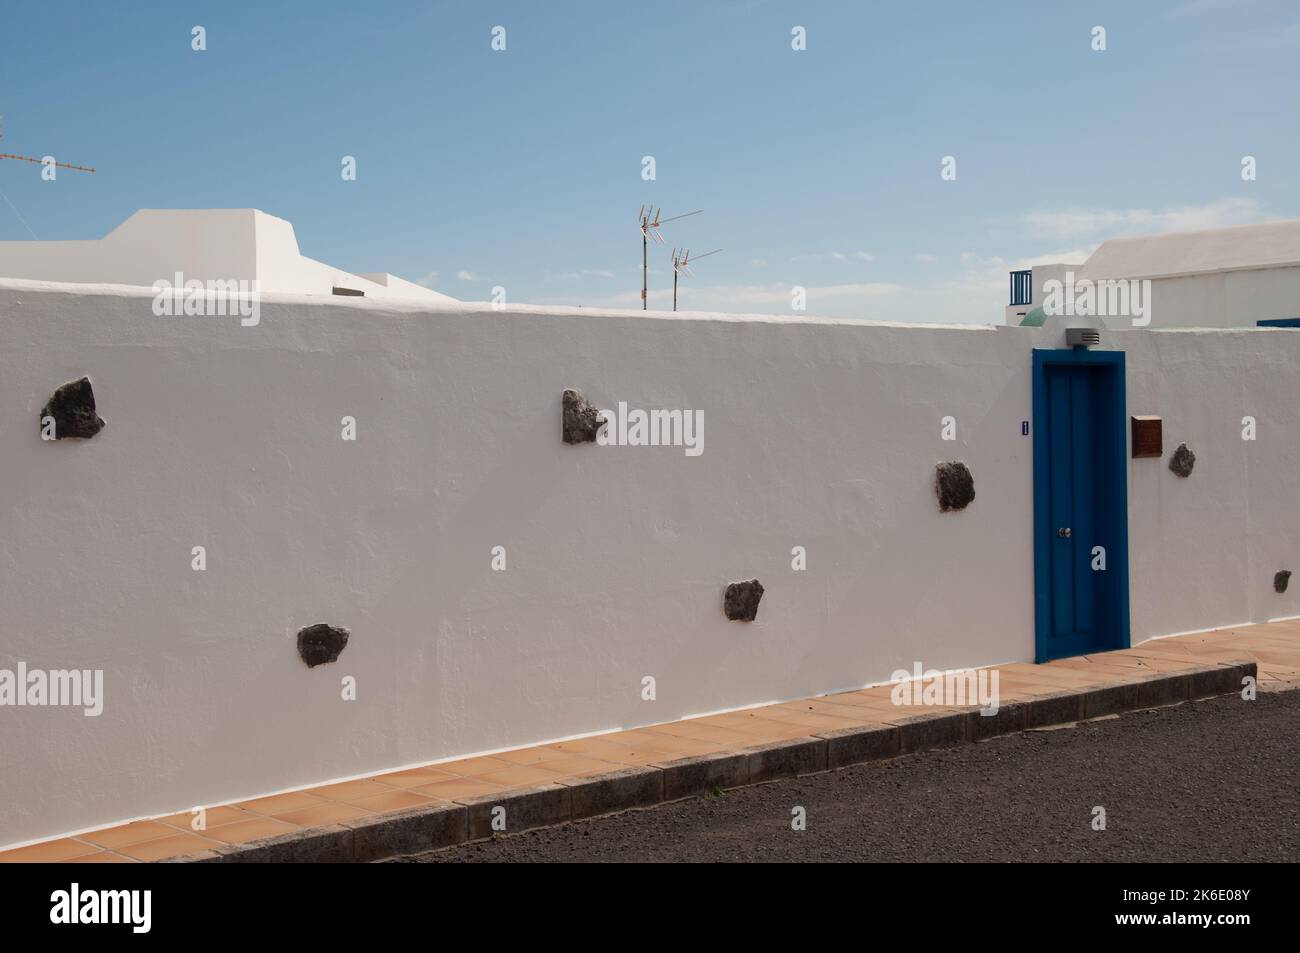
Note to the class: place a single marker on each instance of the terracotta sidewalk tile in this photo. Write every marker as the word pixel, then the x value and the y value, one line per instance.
pixel 1173 654
pixel 518 776
pixel 532 756
pixel 647 737
pixel 394 801
pixel 48 852
pixel 1170 666
pixel 632 757
pixel 174 846
pixel 458 787
pixel 322 815
pixel 414 777
pixel 673 746
pixel 577 767
pixel 857 714
pixel 703 732
pixel 469 767
pixel 1270 656
pixel 135 833
pixel 279 803
pixel 241 831
pixel 1106 668
pixel 212 816
pixel 761 731
pixel 349 791
pixel 104 857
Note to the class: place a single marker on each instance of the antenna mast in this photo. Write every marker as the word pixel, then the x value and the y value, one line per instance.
pixel 648 218
pixel 681 266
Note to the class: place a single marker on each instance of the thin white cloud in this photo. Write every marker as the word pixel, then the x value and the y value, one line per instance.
pixel 840 256
pixel 1271 38
pixel 1193 8
pixel 926 258
pixel 429 280
pixel 468 276
pixel 1197 7
pixel 580 275
pixel 1081 223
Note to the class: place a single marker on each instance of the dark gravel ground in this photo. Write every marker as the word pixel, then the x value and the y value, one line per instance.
pixel 1216 780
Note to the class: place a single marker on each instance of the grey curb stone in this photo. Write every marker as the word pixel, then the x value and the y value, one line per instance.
pixel 1110 699
pixel 1059 708
pixel 1240 671
pixel 845 746
pixel 1219 680
pixel 939 730
pixel 1162 690
pixel 615 791
pixel 786 759
pixel 1008 719
pixel 541 806
pixel 319 845
pixel 687 777
pixel 408 832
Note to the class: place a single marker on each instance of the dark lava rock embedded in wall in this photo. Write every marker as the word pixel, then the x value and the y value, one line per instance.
pixel 581 420
pixel 954 485
pixel 1182 461
pixel 741 601
pixel 73 410
pixel 318 644
pixel 1281 579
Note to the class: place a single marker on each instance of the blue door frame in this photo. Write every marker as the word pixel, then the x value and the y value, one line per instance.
pixel 1080 476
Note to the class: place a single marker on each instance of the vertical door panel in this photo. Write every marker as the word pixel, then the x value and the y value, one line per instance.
pixel 1061 495
pixel 1083 530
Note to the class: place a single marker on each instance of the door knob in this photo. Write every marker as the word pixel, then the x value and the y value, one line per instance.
pixel 1063 532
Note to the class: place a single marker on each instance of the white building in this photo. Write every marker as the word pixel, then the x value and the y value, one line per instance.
pixel 205 245
pixel 1217 278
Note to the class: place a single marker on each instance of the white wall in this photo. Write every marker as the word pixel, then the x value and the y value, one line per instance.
pixel 1203 550
pixel 819 434
pixel 1226 299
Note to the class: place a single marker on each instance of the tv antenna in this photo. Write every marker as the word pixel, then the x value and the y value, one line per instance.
pixel 650 223
pixel 61 165
pixel 681 266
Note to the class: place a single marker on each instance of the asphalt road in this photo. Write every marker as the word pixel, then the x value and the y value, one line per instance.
pixel 1216 780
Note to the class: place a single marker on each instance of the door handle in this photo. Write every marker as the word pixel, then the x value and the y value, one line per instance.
pixel 1063 532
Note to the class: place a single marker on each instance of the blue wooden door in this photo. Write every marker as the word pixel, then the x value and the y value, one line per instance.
pixel 1080 508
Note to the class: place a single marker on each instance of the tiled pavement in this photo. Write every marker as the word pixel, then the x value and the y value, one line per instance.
pixel 1275 647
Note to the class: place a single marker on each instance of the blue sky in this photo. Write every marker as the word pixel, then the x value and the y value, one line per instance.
pixel 522 168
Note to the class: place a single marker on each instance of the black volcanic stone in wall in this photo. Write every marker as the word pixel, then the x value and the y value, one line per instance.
pixel 741 601
pixel 1182 461
pixel 581 420
pixel 73 410
pixel 318 644
pixel 1281 579
pixel 954 485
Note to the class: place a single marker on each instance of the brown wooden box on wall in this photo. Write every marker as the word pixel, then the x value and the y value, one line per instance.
pixel 1148 440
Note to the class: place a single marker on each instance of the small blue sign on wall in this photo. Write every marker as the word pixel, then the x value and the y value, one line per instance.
pixel 1024 428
